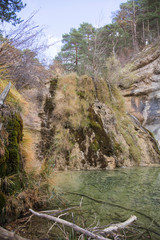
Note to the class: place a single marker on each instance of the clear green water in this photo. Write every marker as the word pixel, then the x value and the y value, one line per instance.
pixel 136 189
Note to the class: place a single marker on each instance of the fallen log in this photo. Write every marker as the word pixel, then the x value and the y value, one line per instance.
pixel 111 228
pixel 69 224
pixel 7 235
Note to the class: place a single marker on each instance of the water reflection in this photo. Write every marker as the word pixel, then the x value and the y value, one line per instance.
pixel 135 188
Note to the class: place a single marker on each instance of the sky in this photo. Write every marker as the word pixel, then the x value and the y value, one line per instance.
pixel 59 16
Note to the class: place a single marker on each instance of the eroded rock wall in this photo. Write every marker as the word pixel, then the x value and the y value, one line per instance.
pixel 88 133
pixel 143 96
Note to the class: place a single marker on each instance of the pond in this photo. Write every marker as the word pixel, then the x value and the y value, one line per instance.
pixel 113 196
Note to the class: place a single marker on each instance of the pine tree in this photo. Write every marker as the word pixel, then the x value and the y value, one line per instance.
pixel 127 17
pixel 71 49
pixel 8 9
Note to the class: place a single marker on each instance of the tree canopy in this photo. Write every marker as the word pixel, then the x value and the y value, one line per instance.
pixel 8 10
pixel 87 49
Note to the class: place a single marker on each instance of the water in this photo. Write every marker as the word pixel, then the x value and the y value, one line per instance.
pixel 113 196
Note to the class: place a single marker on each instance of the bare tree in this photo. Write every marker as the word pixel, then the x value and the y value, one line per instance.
pixel 18 54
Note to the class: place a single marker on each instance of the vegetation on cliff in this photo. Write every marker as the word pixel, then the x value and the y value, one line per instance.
pixel 93 133
pixel 76 120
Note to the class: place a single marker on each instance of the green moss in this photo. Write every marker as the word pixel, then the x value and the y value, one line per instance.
pixel 2 201
pixel 135 153
pixel 14 159
pixel 3 163
pixel 53 86
pixel 81 94
pixel 92 123
pixel 118 149
pixel 95 145
pixel 134 150
pixel 14 128
pixel 3 167
pixel 98 138
pixel 48 106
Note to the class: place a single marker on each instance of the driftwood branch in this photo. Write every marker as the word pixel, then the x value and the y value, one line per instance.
pixel 111 228
pixel 7 235
pixel 71 225
pixel 118 226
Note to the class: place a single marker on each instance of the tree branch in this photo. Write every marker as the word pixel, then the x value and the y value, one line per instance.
pixel 116 227
pixel 111 228
pixel 71 225
pixel 7 235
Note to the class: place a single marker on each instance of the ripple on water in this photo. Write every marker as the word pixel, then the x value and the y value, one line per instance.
pixel 133 188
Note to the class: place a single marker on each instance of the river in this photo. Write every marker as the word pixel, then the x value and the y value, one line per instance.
pixel 111 196
pixel 105 197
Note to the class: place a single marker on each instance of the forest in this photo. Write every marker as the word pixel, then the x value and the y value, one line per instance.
pixel 86 49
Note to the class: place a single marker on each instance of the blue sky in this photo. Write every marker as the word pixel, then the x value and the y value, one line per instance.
pixel 59 16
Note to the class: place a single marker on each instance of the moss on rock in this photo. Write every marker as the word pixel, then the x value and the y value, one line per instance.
pixel 3 162
pixel 2 201
pixel 14 129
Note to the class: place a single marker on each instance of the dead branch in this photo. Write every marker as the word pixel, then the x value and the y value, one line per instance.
pixel 118 226
pixel 7 235
pixel 71 225
pixel 56 212
pixel 111 228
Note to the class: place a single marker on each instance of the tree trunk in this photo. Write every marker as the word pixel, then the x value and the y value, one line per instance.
pixel 76 57
pixel 143 32
pixel 149 33
pixel 134 25
pixel 157 28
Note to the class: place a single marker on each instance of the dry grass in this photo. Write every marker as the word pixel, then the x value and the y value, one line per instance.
pixel 30 198
pixel 127 76
pixel 68 108
pixel 103 91
pixel 85 88
pixel 14 98
pixel 62 139
pixel 28 152
pixel 73 98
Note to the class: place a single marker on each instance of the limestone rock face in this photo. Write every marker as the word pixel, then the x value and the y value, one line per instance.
pixel 124 154
pixel 79 132
pixel 106 144
pixel 143 97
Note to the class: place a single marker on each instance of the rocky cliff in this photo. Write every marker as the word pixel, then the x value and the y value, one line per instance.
pixel 67 126
pixel 142 95
pixel 83 132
